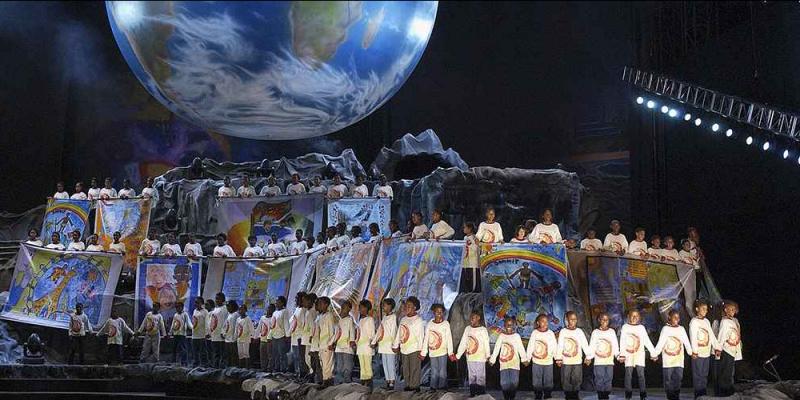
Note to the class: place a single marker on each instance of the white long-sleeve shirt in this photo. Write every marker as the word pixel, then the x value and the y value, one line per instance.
pixel 475 344
pixel 442 230
pixel 264 324
pixel 223 251
pixel 244 329
pixel 730 337
pixel 472 252
pixel 616 243
pixel 438 339
pixel 253 251
pixel 293 189
pixel 280 320
pixel 702 337
pixel 603 346
pixel 591 244
pixel 181 323
pixel 193 249
pixel 117 248
pixel 360 191
pixel 410 335
pixel 199 323
pixel 672 342
pixel 387 331
pixel 687 257
pixel 547 234
pixel 270 191
pixel 345 334
pixel 326 331
pixel 572 345
pixel 153 325
pixel 542 347
pixel 114 328
pixel 216 322
pixel 637 248
pixel 79 325
pixel 149 247
pixel 490 233
pixel 308 326
pixel 510 350
pixel 383 191
pixel 633 341
pixel 419 232
pixel 229 327
pixel 296 322
pixel 364 336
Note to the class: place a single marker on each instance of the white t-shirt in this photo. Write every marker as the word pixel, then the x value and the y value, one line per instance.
pixel 337 191
pixel 129 193
pixel 318 189
pixel 76 246
pixel 591 244
pixel 298 248
pixel 93 194
pixel 55 246
pixel 442 230
pixel 108 193
pixel 548 234
pixel 171 250
pixel 490 233
pixel 383 191
pixel 360 191
pixel 95 247
pixel 224 251
pixel 150 247
pixel 276 250
pixel 225 191
pixel 616 243
pixel 270 191
pixel 114 329
pixel 638 248
pixel 246 191
pixel 253 251
pixel 78 196
pixel 472 255
pixel 61 195
pixel 297 188
pixel 117 247
pixel 193 249
pixel 419 232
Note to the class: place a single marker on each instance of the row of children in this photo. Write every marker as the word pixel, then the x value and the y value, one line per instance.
pixel 336 191
pixel 106 192
pixel 616 242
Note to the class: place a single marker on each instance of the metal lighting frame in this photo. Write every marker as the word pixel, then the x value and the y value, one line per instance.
pixel 747 112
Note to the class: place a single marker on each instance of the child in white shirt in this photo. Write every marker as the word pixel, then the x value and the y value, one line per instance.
pixel 490 231
pixel 572 345
pixel 181 324
pixel 686 255
pixel 364 337
pixel 603 347
pixel 79 327
pixel 299 246
pixel 114 328
pixel 546 232
pixel 223 249
pixel 33 238
pixel 317 187
pixel 79 194
pixel 383 189
pixel 669 253
pixel 355 234
pixel 272 189
pixel 172 248
pixel 345 345
pixel 360 189
pixel 591 242
pixel 153 329
pixel 276 248
pixel 229 334
pixel 672 342
pixel 704 342
pixel 338 189
pixel 440 229
pixel 655 247
pixel 511 352
pixel 108 192
pixel 384 339
pixel 192 248
pixel 60 193
pixel 616 241
pixel 244 334
pixel 633 341
pixel 149 192
pixel 638 246
pixel 475 344
pixel 55 242
pixel 76 244
pixel 420 231
pixel 253 250
pixel 199 332
pixel 226 190
pixel 116 246
pixel 93 246
pixel 295 187
pixel 521 236
pixel 438 345
pixel 542 349
pixel 246 190
pixel 126 192
pixel 326 329
pixel 150 246
pixel 94 191
pixel 730 339
pixel 409 342
pixel 471 274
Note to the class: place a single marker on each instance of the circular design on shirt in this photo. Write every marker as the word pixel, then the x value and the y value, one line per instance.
pixel 176 325
pixel 507 352
pixel 472 345
pixel 616 246
pixel 112 331
pixel 570 347
pixel 539 350
pixel 702 337
pixel 194 321
pixel 404 334
pixel 148 249
pixel 214 323
pixel 634 343
pixel 673 347
pixel 149 325
pixel 733 338
pixel 264 330
pixel 603 349
pixel 435 341
pixel 545 237
pixel 75 325
pixel 293 325
pixel 190 252
pixel 239 331
pixel 490 236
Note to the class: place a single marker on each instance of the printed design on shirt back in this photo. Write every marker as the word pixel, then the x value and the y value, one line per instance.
pixel 507 352
pixel 264 330
pixel 435 341
pixel 214 322
pixel 702 337
pixel 176 324
pixel 194 320
pixel 75 325
pixel 239 330
pixel 404 334
pixel 112 331
pixel 380 334
pixel 603 349
pixel 673 347
pixel 570 347
pixel 472 345
pixel 149 325
pixel 733 338
pixel 540 350
pixel 634 343
pixel 617 246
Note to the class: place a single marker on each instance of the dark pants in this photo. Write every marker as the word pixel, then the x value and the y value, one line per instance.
pixel 279 350
pixel 76 346
pixel 316 365
pixel 509 381
pixel 301 361
pixel 629 379
pixel 180 353
pixel 199 352
pixel 603 375
pixel 542 377
pixel 700 368
pixel 725 376
pixel 470 280
pixel 571 377
pixel 217 354
pixel 114 355
pixel 343 367
pixel 672 379
pixel 231 354
pixel 263 355
pixel 411 369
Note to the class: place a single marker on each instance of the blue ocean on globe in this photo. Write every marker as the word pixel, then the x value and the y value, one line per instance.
pixel 272 70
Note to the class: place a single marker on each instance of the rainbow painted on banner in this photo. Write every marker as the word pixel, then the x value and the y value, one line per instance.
pixel 520 254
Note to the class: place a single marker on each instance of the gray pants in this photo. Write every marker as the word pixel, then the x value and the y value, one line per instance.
pixel 603 375
pixel 700 367
pixel 542 377
pixel 411 369
pixel 571 377
pixel 672 378
pixel 509 381
pixel 477 372
pixel 439 372
pixel 389 366
pixel 150 348
pixel 263 355
pixel 343 367
pixel 279 350
pixel 629 379
pixel 316 365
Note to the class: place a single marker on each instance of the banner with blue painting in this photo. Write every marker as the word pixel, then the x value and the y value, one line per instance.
pixel 166 280
pixel 257 283
pixel 64 216
pixel 361 212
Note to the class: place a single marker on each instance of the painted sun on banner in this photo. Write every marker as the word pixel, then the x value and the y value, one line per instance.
pixel 48 283
pixel 524 280
pixel 257 283
pixel 63 216
pixel 166 281
pixel 131 218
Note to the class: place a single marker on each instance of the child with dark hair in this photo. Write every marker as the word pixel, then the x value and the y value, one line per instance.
pixel 79 326
pixel 216 324
pixel 490 231
pixel 178 328
pixel 615 240
pixel 360 189
pixel 127 192
pixel 591 242
pixel 199 333
pixel 471 274
pixel 520 236
pixel 108 192
pixel 253 250
pixel 511 352
pixel 310 339
pixel 655 247
pixel 326 337
pixel 61 193
pixel 374 233
pixel 76 244
pixel 669 253
pixel 79 194
pixel 364 351
pixel 572 345
pixel 295 333
pixel 246 190
pixel 633 341
pixel 338 189
pixel 345 345
pixel 265 338
pixel 686 255
pixel 114 328
pixel 546 232
pixel 438 344
pixel 229 333
pixel 244 334
pixel 280 340
pixel 299 246
pixel 672 342
pixel 703 342
pixel 55 242
pixel 223 249
pixel 409 342
pixel 192 248
pixel 542 349
pixel 384 339
pixel 730 338
pixel 638 246
pixel 475 344
pixel 153 329
pixel 33 238
pixel 603 349
pixel 439 228
pixel 419 231
pixel 355 234
pixel 394 228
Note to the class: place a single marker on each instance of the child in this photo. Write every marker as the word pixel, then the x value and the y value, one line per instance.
pixel 420 231
pixel 546 232
pixel 172 248
pixel 384 339
pixel 180 325
pixel 280 340
pixel 222 249
pixel 296 333
pixel 150 246
pixel 672 342
pixel 686 255
pixel 633 341
pixel 199 332
pixel 33 238
pixel 299 246
pixel 79 326
pixel 345 344
pixel 475 343
pixel 366 332
pixel 326 338
pixel 94 191
pixel 409 343
pixel 603 347
pixel 440 229
pixel 114 328
pixel 394 228
pixel 730 339
pixel 591 242
pixel 108 192
pixel 226 190
pixel 276 248
pixel 295 187
pixel 520 237
pixel 246 190
pixel 192 248
pixel 471 274
pixel 374 233
pixel 264 337
pixel 338 190
pixel 383 189
pixel 244 334
pixel 55 242
pixel 490 231
pixel 655 247
pixel 216 322
pixel 572 345
pixel 342 239
pixel 638 246
pixel 703 341
pixel 272 189
pixel 60 193
pixel 438 343
pixel 253 250
pixel 229 333
pixel 360 189
pixel 616 241
pixel 542 348
pixel 153 328
pixel 76 244
pixel 149 192
pixel 79 194
pixel 309 339
pixel 317 187
pixel 511 352
pixel 117 246
pixel 669 253
pixel 126 192
pixel 355 233
pixel 93 246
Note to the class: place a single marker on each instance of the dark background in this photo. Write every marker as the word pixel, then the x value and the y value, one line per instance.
pixel 515 84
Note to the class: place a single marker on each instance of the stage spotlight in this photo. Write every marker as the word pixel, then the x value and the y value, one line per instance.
pixel 664 109
pixel 687 117
pixel 651 104
pixel 729 133
pixel 697 122
pixel 715 127
pixel 673 113
pixel 749 140
pixel 639 100
pixel 765 146
pixel 785 154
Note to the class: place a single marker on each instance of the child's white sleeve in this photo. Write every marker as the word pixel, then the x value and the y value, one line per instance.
pixel 552 344
pixel 485 342
pixel 662 339
pixel 462 344
pixel 449 339
pixel 648 344
pixel 559 347
pixel 585 345
pixel 685 339
pixel 396 341
pixel 188 322
pixel 88 325
pixel 161 327
pixel 424 350
pixel 592 345
pixel 523 357
pixel 102 327
pixel 497 345
pixel 614 345
pixel 126 328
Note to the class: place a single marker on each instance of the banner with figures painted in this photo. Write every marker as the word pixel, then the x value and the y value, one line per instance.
pixel 63 216
pixel 619 284
pixel 257 283
pixel 361 212
pixel 131 218
pixel 166 280
pixel 342 275
pixel 48 283
pixel 523 281
pixel 262 217
pixel 428 270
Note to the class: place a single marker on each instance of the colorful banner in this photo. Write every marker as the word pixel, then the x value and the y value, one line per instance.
pixel 239 218
pixel 48 283
pixel 63 217
pixel 362 212
pixel 166 280
pixel 303 268
pixel 131 218
pixel 257 283
pixel 342 275
pixel 429 270
pixel 523 281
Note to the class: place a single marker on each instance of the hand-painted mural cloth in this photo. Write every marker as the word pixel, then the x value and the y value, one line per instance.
pixel 362 212
pixel 166 280
pixel 256 283
pixel 64 216
pixel 131 218
pixel 343 275
pixel 303 269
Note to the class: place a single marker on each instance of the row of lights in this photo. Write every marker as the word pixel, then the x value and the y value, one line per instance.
pixel 715 127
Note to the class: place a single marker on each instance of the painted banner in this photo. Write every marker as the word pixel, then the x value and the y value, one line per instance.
pixel 262 217
pixel 342 275
pixel 166 280
pixel 362 212
pixel 64 216
pixel 303 268
pixel 429 270
pixel 131 218
pixel 523 281
pixel 257 283
pixel 48 283
pixel 619 284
